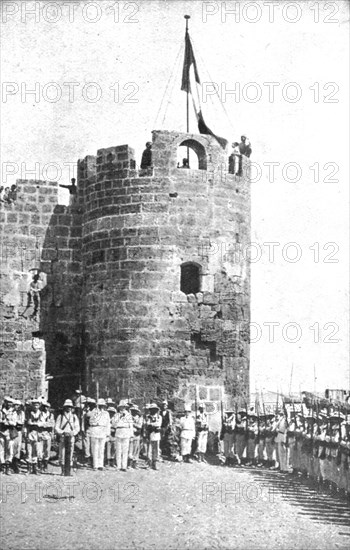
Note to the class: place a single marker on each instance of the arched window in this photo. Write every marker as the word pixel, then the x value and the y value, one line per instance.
pixel 197 154
pixel 190 278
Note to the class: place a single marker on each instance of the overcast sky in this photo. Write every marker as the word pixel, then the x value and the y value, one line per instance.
pixel 289 66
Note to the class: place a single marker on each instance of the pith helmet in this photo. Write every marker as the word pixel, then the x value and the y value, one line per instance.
pixel 101 402
pixel 8 399
pixel 188 408
pixel 68 403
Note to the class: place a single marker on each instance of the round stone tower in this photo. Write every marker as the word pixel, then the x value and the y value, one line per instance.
pixel 166 297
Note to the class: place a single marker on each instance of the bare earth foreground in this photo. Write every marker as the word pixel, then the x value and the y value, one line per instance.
pixel 192 506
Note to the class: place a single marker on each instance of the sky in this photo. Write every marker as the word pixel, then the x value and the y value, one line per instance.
pixel 108 73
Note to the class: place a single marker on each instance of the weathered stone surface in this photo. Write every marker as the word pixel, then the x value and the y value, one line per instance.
pixel 113 308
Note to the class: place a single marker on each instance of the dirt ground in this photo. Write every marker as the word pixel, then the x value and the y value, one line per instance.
pixel 180 506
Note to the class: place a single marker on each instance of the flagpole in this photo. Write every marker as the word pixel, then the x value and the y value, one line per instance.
pixel 187 17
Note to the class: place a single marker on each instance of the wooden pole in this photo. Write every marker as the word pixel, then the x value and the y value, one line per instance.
pixel 187 17
pixel 290 383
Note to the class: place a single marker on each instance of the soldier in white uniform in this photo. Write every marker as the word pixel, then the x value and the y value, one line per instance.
pixel 66 427
pixel 134 448
pixel 202 429
pixel 99 430
pixel 111 439
pixel 124 429
pixel 46 434
pixel 34 445
pixel 17 442
pixel 281 442
pixel 8 433
pixel 187 434
pixel 228 436
pixel 90 405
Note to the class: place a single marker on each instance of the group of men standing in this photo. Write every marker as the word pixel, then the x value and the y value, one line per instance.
pixel 97 432
pixel 100 434
pixel 33 428
pixel 234 162
pixel 315 444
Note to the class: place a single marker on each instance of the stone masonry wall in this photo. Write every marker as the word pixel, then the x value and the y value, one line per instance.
pixel 143 336
pixel 111 309
pixel 38 236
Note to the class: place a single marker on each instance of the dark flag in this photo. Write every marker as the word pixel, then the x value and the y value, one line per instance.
pixel 203 129
pixel 189 59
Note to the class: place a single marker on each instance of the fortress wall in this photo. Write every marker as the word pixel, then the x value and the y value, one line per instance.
pixel 39 236
pixel 142 331
pixel 111 306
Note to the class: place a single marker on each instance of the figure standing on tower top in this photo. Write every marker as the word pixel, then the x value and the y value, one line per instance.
pixel 146 161
pixel 72 188
pixel 245 147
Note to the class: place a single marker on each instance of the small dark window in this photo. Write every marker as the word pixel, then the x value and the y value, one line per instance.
pixel 190 278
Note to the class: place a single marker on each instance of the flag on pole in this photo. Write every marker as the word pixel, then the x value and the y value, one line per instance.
pixel 203 129
pixel 189 60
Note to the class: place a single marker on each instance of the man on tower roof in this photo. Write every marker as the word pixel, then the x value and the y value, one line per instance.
pixel 146 161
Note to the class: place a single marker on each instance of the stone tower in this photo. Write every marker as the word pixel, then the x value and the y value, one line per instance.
pixel 145 279
pixel 166 297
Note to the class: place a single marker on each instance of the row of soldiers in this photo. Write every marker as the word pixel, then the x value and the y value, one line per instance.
pixel 100 434
pixel 314 443
pixel 97 432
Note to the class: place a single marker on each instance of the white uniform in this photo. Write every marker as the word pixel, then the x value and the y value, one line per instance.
pixel 99 430
pixel 188 433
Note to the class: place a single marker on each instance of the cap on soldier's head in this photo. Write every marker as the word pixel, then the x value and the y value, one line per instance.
pixel 153 406
pixel 35 400
pixel 188 408
pixel 112 409
pixel 101 402
pixel 122 403
pixel 8 399
pixel 68 403
pixel 17 402
pixel 110 401
pixel 90 400
pixel 337 416
pixel 135 408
